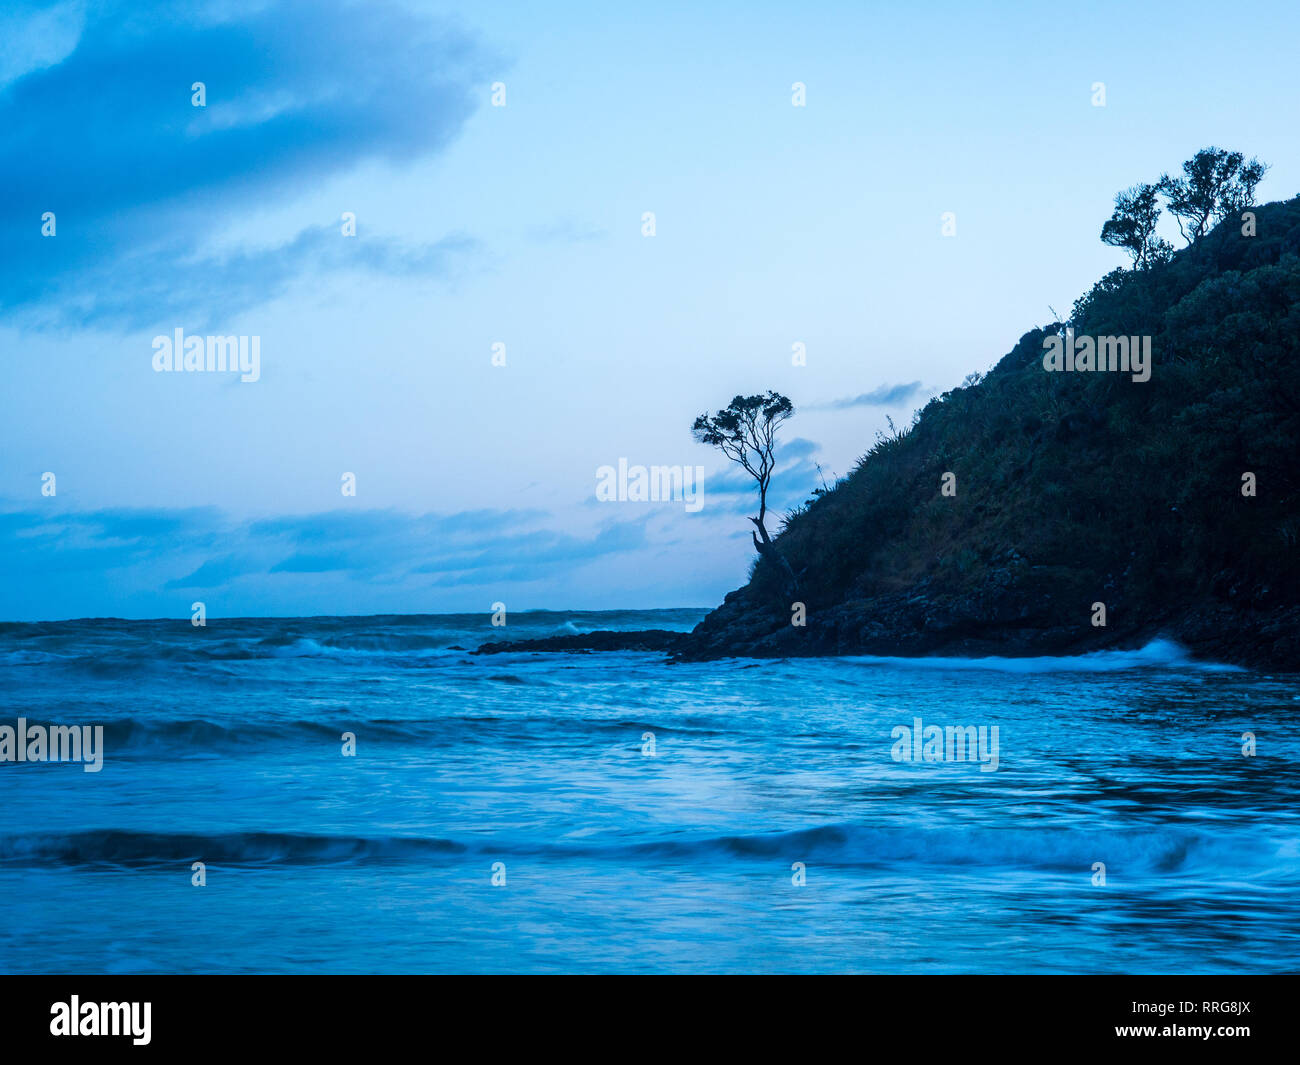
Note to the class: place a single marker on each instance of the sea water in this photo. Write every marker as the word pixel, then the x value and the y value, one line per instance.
pixel 615 812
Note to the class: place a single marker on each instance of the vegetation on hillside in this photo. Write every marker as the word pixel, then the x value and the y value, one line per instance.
pixel 1091 484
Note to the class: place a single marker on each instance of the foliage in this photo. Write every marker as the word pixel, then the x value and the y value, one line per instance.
pixel 1133 226
pixel 745 431
pixel 1092 485
pixel 1215 184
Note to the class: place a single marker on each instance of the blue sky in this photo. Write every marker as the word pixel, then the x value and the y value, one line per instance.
pixel 522 225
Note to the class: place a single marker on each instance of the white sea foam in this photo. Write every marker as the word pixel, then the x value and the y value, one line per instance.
pixel 1159 653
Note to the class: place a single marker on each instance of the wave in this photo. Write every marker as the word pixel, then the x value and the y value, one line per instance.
pixel 1158 654
pixel 1159 850
pixel 1162 850
pixel 306 647
pixel 161 656
pixel 188 735
pixel 116 645
pixel 132 732
pixel 141 849
pixel 32 658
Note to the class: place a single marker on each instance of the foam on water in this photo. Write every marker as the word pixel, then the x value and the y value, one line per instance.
pixel 1158 654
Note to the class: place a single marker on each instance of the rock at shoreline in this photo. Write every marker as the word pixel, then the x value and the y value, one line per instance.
pixel 1253 639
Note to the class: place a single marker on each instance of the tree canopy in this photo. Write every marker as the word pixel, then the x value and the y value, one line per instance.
pixel 1133 226
pixel 1214 184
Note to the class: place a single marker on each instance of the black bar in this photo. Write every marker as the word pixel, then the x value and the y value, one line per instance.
pixel 664 1017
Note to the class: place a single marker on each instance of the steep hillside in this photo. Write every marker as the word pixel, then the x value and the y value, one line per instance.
pixel 1075 488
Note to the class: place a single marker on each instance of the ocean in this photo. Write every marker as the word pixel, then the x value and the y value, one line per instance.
pixel 595 813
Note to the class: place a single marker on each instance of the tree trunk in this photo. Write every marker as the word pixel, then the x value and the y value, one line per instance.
pixel 767 549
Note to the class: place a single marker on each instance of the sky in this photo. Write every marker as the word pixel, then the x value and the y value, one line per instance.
pixel 497 163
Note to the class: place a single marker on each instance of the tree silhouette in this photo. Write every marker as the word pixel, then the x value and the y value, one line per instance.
pixel 1133 226
pixel 1215 183
pixel 745 431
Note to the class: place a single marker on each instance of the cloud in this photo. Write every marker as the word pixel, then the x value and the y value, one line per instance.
pixel 204 550
pixel 36 35
pixel 164 281
pixel 105 136
pixel 526 558
pixel 884 396
pixel 215 572
pixel 796 474
pixel 39 541
pixel 797 447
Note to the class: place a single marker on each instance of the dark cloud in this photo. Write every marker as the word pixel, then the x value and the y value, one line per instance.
pixel 139 180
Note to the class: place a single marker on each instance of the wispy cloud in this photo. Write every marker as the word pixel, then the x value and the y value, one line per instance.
pixel 795 476
pixel 205 551
pixel 884 396
pixel 159 282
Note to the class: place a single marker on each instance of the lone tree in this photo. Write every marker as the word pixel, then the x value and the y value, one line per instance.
pixel 1133 226
pixel 745 431
pixel 1215 183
